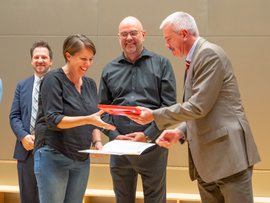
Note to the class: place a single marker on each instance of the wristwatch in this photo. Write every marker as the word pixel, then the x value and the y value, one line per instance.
pixel 148 140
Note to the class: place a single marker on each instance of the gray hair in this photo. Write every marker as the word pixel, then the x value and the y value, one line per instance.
pixel 181 20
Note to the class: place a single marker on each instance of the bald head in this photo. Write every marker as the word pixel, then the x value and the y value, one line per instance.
pixel 130 20
pixel 131 37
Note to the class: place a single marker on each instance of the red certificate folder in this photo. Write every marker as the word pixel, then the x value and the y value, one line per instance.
pixel 119 110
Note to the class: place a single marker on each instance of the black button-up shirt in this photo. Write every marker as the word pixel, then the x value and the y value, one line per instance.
pixel 58 98
pixel 149 82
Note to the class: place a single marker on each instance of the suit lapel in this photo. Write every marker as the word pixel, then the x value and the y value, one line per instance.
pixel 28 95
pixel 190 70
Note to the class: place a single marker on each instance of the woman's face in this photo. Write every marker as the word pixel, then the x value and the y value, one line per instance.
pixel 80 61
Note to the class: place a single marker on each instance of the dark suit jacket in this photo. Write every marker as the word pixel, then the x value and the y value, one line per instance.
pixel 213 118
pixel 20 115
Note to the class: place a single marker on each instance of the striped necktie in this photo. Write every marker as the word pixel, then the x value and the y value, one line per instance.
pixel 34 107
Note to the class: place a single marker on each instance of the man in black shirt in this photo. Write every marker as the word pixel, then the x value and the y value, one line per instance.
pixel 137 78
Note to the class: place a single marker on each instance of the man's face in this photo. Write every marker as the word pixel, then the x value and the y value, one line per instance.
pixel 41 61
pixel 174 41
pixel 131 38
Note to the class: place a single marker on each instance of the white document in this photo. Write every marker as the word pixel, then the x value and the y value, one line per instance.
pixel 121 147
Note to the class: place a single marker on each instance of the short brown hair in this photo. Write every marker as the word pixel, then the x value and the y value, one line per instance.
pixel 74 43
pixel 41 43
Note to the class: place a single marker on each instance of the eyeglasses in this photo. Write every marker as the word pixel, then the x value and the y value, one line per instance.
pixel 133 33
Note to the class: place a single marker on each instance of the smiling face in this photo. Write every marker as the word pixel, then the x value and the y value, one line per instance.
pixel 80 62
pixel 131 37
pixel 41 61
pixel 175 41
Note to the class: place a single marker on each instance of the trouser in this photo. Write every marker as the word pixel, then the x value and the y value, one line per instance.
pixel 236 188
pixel 27 180
pixel 59 178
pixel 151 165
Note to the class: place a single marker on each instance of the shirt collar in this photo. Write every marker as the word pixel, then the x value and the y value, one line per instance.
pixel 145 53
pixel 37 78
pixel 190 53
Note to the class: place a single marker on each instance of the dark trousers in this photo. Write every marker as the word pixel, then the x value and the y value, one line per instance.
pixel 152 168
pixel 233 189
pixel 27 180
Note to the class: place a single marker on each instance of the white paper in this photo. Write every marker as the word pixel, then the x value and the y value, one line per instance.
pixel 121 147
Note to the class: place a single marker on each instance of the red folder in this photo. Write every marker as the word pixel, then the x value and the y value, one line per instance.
pixel 119 110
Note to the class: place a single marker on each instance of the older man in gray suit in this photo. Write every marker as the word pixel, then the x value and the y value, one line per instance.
pixel 212 120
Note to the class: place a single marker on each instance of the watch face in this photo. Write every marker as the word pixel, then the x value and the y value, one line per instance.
pixel 119 110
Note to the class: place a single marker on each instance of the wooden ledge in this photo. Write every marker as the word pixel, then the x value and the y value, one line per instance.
pixel 139 195
pixel 8 188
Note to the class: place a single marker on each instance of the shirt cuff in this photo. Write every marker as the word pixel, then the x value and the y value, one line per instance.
pixel 112 134
pixel 152 132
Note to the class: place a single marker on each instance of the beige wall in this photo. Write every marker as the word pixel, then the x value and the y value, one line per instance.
pixel 240 27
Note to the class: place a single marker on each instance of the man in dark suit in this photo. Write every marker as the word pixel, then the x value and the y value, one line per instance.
pixel 20 121
pixel 212 120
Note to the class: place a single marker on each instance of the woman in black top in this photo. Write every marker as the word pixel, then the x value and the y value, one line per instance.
pixel 68 121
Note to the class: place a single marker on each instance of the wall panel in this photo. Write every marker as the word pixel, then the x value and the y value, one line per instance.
pixel 150 12
pixel 239 18
pixel 48 17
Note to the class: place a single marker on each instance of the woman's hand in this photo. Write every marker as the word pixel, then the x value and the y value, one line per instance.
pixel 95 119
pixel 98 146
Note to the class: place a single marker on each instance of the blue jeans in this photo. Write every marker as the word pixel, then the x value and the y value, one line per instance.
pixel 59 178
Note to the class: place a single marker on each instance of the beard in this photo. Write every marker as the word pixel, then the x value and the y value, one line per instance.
pixel 131 48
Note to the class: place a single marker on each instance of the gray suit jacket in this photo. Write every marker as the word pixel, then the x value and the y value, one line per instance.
pixel 212 117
